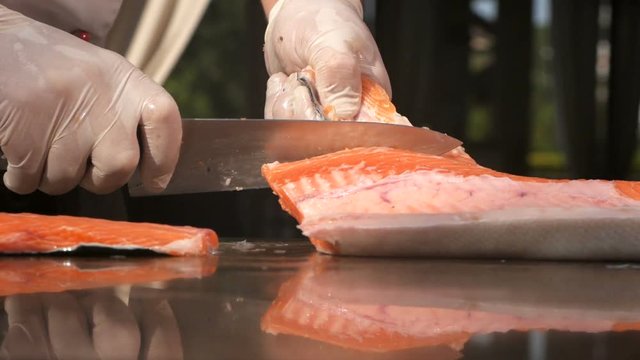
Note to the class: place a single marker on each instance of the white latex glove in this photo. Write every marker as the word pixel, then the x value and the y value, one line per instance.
pixel 69 113
pixel 288 98
pixel 331 37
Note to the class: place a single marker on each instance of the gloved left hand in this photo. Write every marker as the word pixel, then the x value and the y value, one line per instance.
pixel 332 38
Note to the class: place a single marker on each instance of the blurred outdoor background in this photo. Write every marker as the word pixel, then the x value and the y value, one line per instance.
pixel 535 87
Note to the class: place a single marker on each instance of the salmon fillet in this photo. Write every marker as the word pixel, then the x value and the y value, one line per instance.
pixel 364 311
pixel 31 233
pixel 383 201
pixel 30 276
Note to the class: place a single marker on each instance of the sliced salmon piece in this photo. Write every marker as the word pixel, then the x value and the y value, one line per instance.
pixel 376 106
pixel 30 276
pixel 32 233
pixel 374 315
pixel 295 97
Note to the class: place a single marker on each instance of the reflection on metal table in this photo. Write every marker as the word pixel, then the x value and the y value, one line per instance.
pixel 280 300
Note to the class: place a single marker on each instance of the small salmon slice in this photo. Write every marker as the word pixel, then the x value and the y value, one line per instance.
pixel 295 97
pixel 383 201
pixel 376 106
pixel 31 233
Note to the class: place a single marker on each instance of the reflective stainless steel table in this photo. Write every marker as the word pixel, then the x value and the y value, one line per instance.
pixel 280 300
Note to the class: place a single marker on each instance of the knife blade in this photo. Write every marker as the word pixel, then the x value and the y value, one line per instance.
pixel 227 154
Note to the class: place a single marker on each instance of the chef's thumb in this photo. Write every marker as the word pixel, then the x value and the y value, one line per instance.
pixel 339 83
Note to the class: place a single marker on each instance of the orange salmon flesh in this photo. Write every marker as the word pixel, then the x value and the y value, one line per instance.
pixel 31 233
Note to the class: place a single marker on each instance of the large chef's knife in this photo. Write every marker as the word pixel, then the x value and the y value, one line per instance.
pixel 227 154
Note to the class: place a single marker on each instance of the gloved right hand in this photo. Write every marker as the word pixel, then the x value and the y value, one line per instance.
pixel 69 114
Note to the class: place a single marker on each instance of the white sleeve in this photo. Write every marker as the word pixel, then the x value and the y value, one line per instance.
pixel 162 33
pixel 93 16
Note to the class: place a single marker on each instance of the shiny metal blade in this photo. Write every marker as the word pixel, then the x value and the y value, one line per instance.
pixel 227 154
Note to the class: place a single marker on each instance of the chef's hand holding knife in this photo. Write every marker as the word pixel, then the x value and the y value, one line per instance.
pixel 329 36
pixel 70 113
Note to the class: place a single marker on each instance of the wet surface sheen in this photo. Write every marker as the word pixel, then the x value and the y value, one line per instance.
pixel 229 306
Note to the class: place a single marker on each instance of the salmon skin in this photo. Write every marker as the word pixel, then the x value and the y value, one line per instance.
pixel 51 275
pixel 32 233
pixel 392 305
pixel 388 202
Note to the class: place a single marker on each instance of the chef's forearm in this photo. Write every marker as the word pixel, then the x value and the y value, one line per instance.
pixel 267 5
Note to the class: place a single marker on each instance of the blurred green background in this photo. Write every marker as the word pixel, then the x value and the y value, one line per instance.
pixel 218 73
